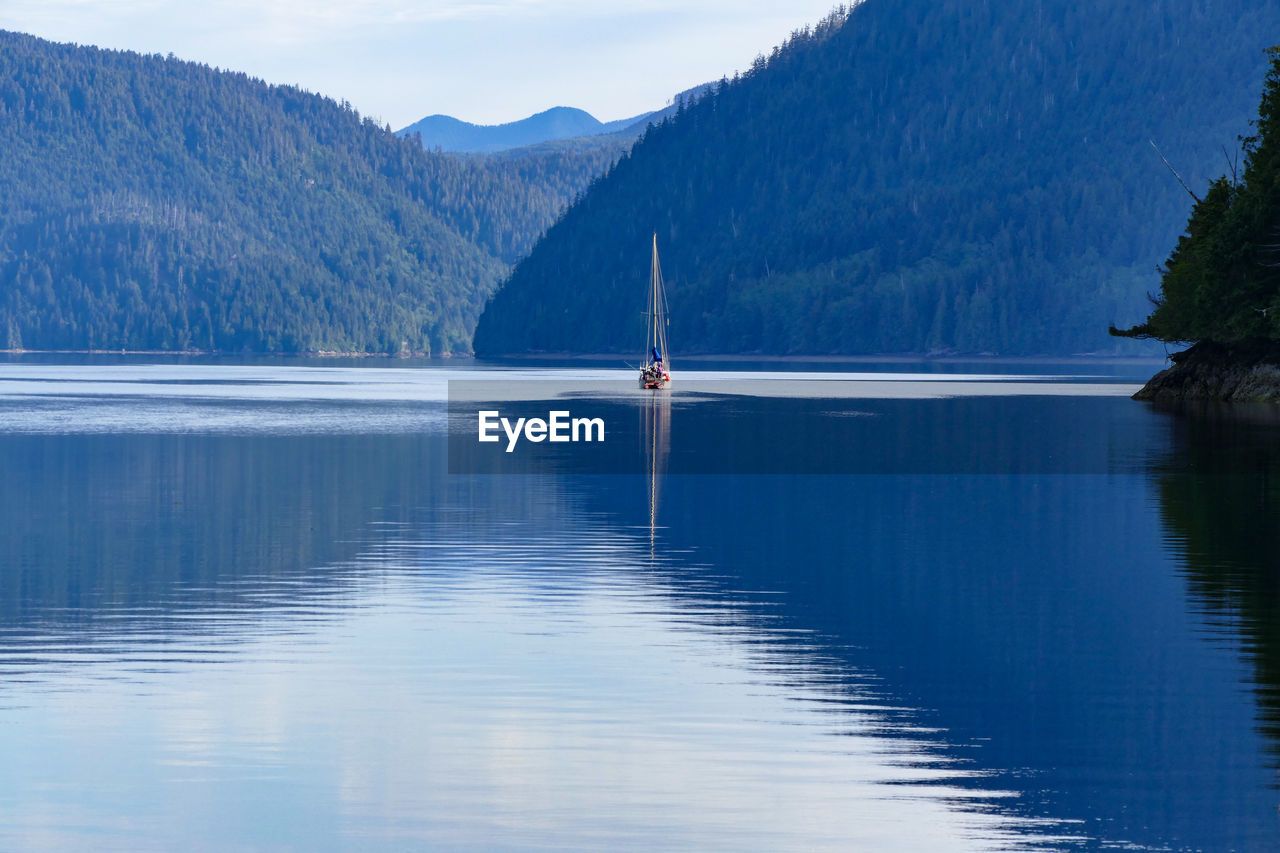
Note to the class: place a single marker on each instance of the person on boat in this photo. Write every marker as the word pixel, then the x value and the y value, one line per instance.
pixel 659 369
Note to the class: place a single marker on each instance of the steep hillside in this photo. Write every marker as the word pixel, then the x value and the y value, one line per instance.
pixel 150 203
pixel 503 202
pixel 916 175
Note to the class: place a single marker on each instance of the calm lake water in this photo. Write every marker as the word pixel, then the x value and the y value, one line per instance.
pixel 248 606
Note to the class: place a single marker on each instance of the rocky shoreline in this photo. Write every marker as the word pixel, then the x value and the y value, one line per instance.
pixel 1244 371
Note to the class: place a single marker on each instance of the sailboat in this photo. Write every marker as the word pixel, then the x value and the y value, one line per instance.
pixel 654 372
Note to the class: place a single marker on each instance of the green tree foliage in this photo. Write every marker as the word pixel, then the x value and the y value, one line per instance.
pixel 1222 282
pixel 908 176
pixel 149 203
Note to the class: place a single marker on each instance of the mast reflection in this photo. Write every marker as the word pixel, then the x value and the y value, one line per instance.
pixel 656 433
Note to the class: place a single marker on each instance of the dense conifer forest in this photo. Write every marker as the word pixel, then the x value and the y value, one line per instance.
pixel 914 176
pixel 909 176
pixel 1222 282
pixel 151 203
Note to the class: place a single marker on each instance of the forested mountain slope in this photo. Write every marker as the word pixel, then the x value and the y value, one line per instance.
pixel 150 203
pixel 916 175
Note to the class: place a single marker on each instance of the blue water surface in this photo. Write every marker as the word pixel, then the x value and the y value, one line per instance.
pixel 246 605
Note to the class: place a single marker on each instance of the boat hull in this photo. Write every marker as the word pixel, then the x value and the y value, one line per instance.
pixel 654 383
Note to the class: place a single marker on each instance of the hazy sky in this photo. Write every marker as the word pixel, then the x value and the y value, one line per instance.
pixel 485 61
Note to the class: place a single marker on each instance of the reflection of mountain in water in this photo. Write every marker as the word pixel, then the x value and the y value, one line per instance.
pixel 1219 489
pixel 1034 617
pixel 143 526
pixel 121 540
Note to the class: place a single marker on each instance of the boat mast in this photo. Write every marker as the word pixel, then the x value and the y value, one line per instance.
pixel 656 334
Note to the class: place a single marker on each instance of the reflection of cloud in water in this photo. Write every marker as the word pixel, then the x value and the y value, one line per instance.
pixel 122 415
pixel 288 400
pixel 690 388
pixel 513 690
pixel 497 684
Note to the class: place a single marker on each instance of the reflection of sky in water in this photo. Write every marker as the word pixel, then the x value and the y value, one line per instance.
pixel 56 399
pixel 245 607
pixel 157 414
pixel 523 692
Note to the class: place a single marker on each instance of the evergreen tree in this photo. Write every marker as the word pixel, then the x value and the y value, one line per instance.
pixel 149 203
pixel 1222 282
pixel 908 176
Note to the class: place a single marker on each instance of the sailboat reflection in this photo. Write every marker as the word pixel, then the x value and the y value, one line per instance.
pixel 655 431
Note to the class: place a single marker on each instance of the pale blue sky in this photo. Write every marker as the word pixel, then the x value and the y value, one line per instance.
pixel 485 61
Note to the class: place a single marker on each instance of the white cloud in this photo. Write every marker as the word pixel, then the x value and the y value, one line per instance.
pixel 482 60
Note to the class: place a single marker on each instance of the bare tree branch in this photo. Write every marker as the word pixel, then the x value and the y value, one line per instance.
pixel 1231 164
pixel 1175 172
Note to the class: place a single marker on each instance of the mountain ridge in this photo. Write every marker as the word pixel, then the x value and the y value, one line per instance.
pixel 916 177
pixel 450 134
pixel 148 203
pixel 556 124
